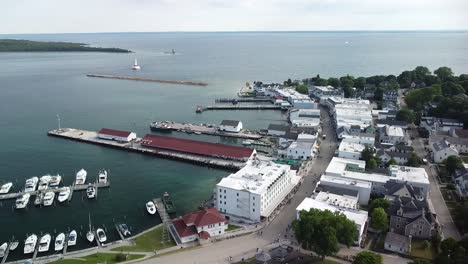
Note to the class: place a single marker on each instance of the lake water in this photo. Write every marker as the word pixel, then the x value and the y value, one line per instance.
pixel 35 87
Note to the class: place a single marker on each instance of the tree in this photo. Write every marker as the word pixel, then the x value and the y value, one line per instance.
pixel 367 154
pixel 378 94
pixel 451 89
pixel 420 73
pixel 413 160
pixel 436 239
pixel 326 243
pixel 360 83
pixel 379 203
pixel 335 82
pixel 372 164
pixel 405 79
pixel 288 82
pixel 444 73
pixel 379 220
pixel 452 163
pixel 392 161
pixel 367 257
pixel 426 244
pixel 417 98
pixel 405 115
pixel 303 89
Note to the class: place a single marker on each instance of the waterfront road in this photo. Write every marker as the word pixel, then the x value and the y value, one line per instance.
pixel 440 207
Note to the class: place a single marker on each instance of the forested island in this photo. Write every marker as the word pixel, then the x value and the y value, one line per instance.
pixel 19 45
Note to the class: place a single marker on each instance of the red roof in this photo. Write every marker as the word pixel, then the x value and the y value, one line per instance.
pixel 182 229
pixel 204 235
pixel 203 217
pixel 112 132
pixel 196 147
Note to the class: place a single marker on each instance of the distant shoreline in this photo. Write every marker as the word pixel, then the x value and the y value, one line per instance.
pixel 20 45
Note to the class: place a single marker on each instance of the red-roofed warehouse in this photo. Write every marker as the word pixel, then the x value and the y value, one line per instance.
pixel 117 135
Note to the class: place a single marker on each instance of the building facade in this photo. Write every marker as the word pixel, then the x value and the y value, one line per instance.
pixel 230 126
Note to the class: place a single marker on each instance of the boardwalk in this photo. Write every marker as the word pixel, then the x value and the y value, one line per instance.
pixel 91 137
pixel 241 107
pixel 146 79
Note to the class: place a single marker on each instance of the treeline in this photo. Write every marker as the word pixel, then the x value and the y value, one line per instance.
pixel 15 45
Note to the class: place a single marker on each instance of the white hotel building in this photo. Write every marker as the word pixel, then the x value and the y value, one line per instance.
pixel 255 191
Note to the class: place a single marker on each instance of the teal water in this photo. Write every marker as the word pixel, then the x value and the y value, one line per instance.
pixel 34 87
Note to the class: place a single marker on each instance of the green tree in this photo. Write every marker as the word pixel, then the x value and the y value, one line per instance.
pixel 335 82
pixel 448 246
pixel 406 115
pixel 405 79
pixel 413 160
pixel 392 161
pixel 303 89
pixel 451 89
pixel 360 83
pixel 367 257
pixel 443 73
pixel 367 154
pixel 452 163
pixel 436 240
pixel 378 94
pixel 372 164
pixel 417 98
pixel 420 73
pixel 326 242
pixel 379 203
pixel 379 220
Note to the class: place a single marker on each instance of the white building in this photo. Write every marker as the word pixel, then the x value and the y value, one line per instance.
pixel 441 150
pixel 362 187
pixel 392 135
pixel 359 217
pixel 363 139
pixel 304 104
pixel 291 95
pixel 117 135
pixel 304 114
pixel 230 126
pixel 322 93
pixel 201 224
pixel 434 125
pixel 301 150
pixel 350 114
pixel 350 150
pixel 255 191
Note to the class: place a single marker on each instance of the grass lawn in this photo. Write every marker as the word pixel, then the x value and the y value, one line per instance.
pixel 232 227
pixel 149 242
pixel 108 258
pixel 417 250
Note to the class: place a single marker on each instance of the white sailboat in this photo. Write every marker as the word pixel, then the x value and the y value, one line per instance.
pixel 136 66
pixel 101 235
pixel 44 243
pixel 44 182
pixel 6 187
pixel 150 207
pixel 30 244
pixel 3 248
pixel 72 238
pixel 48 198
pixel 55 180
pixel 64 194
pixel 59 242
pixel 90 234
pixel 14 245
pixel 102 176
pixel 31 184
pixel 81 177
pixel 22 201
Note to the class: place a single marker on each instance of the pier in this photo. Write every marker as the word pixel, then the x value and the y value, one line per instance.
pixel 238 107
pixel 6 253
pixel 244 100
pixel 119 232
pixel 136 146
pixel 207 130
pixel 146 79
pixel 65 244
pixel 161 209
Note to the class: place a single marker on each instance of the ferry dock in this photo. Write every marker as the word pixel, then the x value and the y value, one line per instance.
pixel 244 100
pixel 200 109
pixel 202 129
pixel 231 157
pixel 146 79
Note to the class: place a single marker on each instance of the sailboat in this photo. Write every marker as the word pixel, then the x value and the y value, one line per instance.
pixel 136 66
pixel 90 234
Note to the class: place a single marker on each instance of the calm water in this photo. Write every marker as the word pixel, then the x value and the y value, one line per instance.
pixel 34 87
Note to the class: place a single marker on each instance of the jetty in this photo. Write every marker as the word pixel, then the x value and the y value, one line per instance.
pixel 137 146
pixel 6 253
pixel 122 237
pixel 203 129
pixel 200 109
pixel 161 209
pixel 244 100
pixel 130 78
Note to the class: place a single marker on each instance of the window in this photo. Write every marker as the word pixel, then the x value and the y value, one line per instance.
pixel 253 204
pixel 220 196
pixel 253 210
pixel 220 190
pixel 219 232
pixel 224 202
pixel 225 197
pixel 224 191
pixel 253 198
pixel 237 194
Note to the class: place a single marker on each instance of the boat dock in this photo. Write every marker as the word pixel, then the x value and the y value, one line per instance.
pixel 238 107
pixel 136 146
pixel 119 232
pixel 65 243
pixel 146 79
pixel 244 100
pixel 36 250
pixel 96 238
pixel 207 130
pixel 161 209
pixel 6 253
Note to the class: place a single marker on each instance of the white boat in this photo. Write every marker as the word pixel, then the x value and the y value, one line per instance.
pixel 124 230
pixel 55 181
pixel 59 242
pixel 81 177
pixel 3 248
pixel 22 201
pixel 39 198
pixel 150 207
pixel 102 176
pixel 44 182
pixel 136 66
pixel 247 142
pixel 6 187
pixel 30 244
pixel 64 194
pixel 48 198
pixel 91 192
pixel 14 245
pixel 72 238
pixel 44 243
pixel 90 234
pixel 101 235
pixel 31 184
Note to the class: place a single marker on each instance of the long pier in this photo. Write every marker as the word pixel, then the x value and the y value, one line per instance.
pixel 244 100
pixel 204 129
pixel 135 146
pixel 146 79
pixel 239 107
pixel 165 218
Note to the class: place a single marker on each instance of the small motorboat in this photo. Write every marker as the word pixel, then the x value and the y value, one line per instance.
pixel 64 194
pixel 150 207
pixel 22 201
pixel 44 243
pixel 44 182
pixel 102 177
pixel 247 142
pixel 124 230
pixel 14 245
pixel 48 198
pixel 81 177
pixel 72 238
pixel 31 184
pixel 90 234
pixel 91 192
pixel 59 242
pixel 3 248
pixel 39 198
pixel 55 180
pixel 101 235
pixel 6 187
pixel 30 244
pixel 136 66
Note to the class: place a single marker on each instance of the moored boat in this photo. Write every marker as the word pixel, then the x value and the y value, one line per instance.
pixel 91 192
pixel 247 142
pixel 48 198
pixel 44 182
pixel 3 248
pixel 64 194
pixel 44 243
pixel 22 201
pixel 150 207
pixel 30 244
pixel 81 177
pixel 136 66
pixel 6 188
pixel 124 229
pixel 168 204
pixel 102 176
pixel 55 180
pixel 161 127
pixel 59 242
pixel 101 235
pixel 72 238
pixel 31 184
pixel 39 198
pixel 14 245
pixel 90 234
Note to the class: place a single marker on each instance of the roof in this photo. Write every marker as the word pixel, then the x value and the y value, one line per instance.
pixel 203 217
pixel 182 229
pixel 233 123
pixel 278 127
pixel 112 132
pixel 391 122
pixel 397 240
pixel 196 147
pixel 461 133
pixel 336 190
pixel 440 145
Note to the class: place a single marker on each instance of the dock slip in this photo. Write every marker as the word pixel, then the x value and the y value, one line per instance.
pixel 146 79
pixel 201 129
pixel 239 107
pixel 6 253
pixel 136 146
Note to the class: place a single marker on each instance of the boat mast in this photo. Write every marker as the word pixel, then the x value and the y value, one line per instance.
pixel 89 215
pixel 58 121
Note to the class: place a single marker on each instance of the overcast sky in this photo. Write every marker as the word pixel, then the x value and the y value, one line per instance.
pixel 70 16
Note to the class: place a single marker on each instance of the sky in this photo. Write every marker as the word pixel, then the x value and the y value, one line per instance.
pixel 84 16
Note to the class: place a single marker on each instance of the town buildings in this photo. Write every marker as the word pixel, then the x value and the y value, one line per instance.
pixel 201 224
pixel 349 150
pixel 441 150
pixel 321 93
pixel 436 125
pixel 397 243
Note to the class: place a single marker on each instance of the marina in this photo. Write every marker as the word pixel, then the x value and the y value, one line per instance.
pixel 146 79
pixel 201 109
pixel 147 146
